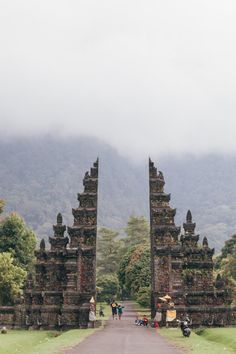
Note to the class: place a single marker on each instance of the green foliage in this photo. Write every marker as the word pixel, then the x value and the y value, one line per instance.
pixel 109 250
pixel 210 341
pixel 144 295
pixel 229 265
pixel 228 271
pixel 225 263
pixel 11 279
pixel 18 240
pixel 138 270
pixel 134 268
pixel 134 271
pixel 127 259
pixel 108 286
pixel 41 342
pixel 109 253
pixel 137 231
pixel 123 267
pixel 227 250
pixel 225 336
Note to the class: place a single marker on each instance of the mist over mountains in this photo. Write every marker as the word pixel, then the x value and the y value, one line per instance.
pixel 42 176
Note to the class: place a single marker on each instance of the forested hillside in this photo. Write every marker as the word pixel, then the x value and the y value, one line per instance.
pixel 42 176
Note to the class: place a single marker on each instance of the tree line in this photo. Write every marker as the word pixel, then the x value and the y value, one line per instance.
pixel 17 244
pixel 123 260
pixel 225 263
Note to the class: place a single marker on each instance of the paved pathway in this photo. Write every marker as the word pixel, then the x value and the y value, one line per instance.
pixel 123 337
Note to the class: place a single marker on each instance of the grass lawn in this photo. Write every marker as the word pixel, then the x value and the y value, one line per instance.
pixel 32 342
pixel 210 341
pixel 41 342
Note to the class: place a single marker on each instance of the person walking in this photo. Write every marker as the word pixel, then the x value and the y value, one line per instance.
pixel 120 311
pixel 114 307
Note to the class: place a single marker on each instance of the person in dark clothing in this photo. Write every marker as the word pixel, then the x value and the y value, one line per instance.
pixel 114 307
pixel 120 311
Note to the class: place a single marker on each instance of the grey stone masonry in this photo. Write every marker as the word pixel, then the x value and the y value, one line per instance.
pixel 181 268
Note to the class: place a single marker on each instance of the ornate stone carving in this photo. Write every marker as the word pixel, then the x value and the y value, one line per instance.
pixel 42 245
pixel 180 267
pixel 65 276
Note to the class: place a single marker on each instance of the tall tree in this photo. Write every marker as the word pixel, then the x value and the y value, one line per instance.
pixel 134 270
pixel 138 272
pixel 225 263
pixel 109 248
pixel 11 279
pixel 18 240
pixel 107 286
pixel 137 231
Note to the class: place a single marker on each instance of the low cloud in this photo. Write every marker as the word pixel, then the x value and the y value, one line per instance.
pixel 147 78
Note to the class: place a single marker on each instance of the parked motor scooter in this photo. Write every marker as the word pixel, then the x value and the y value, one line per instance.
pixel 184 325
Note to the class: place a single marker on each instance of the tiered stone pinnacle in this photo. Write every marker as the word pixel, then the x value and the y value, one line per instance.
pixel 83 230
pixel 161 214
pixel 189 238
pixel 180 267
pixel 198 264
pixel 164 239
pixel 83 233
pixel 58 241
pixel 65 275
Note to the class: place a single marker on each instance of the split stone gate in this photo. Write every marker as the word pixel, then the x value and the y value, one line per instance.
pixel 65 275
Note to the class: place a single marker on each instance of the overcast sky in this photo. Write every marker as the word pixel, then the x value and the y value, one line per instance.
pixel 146 76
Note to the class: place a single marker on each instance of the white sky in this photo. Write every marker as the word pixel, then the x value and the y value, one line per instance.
pixel 146 76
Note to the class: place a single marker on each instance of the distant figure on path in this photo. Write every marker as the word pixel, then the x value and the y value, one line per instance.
pixel 101 313
pixel 120 311
pixel 114 307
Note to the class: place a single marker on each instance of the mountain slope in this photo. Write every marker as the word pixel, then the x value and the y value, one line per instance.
pixel 42 176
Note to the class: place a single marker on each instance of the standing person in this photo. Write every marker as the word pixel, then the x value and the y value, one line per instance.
pixel 114 307
pixel 158 317
pixel 120 311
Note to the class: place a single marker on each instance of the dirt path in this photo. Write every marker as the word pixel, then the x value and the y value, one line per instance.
pixel 123 337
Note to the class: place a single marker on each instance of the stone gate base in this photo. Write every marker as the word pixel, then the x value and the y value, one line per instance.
pixel 17 317
pixel 207 317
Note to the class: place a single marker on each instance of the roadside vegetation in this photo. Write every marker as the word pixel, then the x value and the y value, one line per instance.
pixel 41 342
pixel 17 244
pixel 53 342
pixel 209 340
pixel 225 264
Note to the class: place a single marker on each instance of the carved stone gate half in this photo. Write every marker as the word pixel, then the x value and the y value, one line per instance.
pixel 65 279
pixel 181 268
